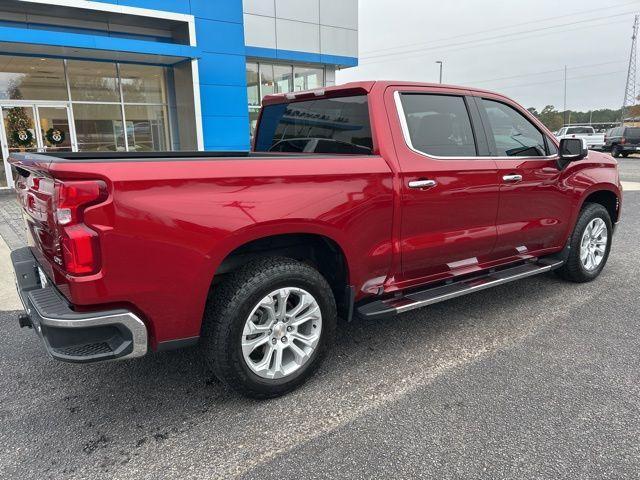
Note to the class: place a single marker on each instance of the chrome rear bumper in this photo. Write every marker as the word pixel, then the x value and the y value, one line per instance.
pixel 72 336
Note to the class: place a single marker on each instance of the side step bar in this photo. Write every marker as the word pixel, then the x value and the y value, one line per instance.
pixel 393 306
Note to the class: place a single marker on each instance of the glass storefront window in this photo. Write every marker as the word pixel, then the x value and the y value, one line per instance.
pixel 307 78
pixel 267 86
pixel 253 85
pixel 19 128
pixel 253 120
pixel 114 106
pixel 54 128
pixel 31 78
pixel 99 127
pixel 146 128
pixel 266 79
pixel 283 76
pixel 142 83
pixel 93 81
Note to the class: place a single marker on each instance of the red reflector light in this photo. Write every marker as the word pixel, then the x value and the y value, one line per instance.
pixel 80 250
pixel 623 141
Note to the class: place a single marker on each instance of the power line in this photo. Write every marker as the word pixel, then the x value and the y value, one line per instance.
pixel 562 79
pixel 475 82
pixel 509 27
pixel 476 45
pixel 496 37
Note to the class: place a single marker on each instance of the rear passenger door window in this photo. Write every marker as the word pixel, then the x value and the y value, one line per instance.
pixel 513 134
pixel 438 125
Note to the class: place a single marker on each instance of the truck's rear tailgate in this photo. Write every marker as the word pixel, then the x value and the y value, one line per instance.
pixel 35 192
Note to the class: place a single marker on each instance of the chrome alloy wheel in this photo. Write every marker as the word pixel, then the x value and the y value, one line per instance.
pixel 593 245
pixel 281 333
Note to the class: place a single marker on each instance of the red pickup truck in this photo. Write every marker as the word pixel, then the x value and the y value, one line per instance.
pixel 370 198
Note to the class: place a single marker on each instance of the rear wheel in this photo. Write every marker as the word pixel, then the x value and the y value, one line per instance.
pixel 268 325
pixel 590 244
pixel 615 151
pixel 625 154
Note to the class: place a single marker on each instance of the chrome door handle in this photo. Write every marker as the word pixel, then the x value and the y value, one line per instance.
pixel 512 178
pixel 422 183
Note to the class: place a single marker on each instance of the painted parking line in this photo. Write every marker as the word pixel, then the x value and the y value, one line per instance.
pixel 631 186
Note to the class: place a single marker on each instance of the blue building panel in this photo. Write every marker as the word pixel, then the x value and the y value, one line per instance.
pixel 222 69
pixel 225 133
pixel 222 10
pixel 220 37
pixel 95 42
pixel 176 6
pixel 224 100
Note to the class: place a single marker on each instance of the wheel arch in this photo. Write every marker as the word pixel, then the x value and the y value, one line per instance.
pixel 321 251
pixel 606 197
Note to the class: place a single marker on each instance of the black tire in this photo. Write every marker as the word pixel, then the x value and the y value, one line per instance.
pixel 615 151
pixel 573 270
pixel 229 306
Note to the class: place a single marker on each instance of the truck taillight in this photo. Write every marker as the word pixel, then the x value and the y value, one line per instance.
pixel 623 141
pixel 78 249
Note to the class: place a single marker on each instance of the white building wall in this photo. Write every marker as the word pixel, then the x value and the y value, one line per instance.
pixel 327 27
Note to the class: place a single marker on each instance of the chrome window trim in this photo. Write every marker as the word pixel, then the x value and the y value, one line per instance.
pixel 407 137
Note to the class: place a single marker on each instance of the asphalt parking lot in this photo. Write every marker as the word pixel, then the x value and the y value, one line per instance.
pixel 536 379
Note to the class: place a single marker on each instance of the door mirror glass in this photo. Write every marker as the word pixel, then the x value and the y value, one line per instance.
pixel 572 149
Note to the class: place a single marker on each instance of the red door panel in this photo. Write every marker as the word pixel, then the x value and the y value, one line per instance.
pixel 533 212
pixel 450 226
pixel 534 206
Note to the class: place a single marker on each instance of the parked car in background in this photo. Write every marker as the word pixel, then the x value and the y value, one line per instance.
pixel 622 141
pixel 369 199
pixel 594 141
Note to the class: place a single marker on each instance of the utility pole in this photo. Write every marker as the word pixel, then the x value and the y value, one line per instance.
pixel 564 113
pixel 440 62
pixel 630 88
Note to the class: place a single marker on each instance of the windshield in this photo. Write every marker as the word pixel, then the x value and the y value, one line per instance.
pixel 325 125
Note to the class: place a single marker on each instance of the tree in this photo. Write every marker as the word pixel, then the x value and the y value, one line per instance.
pixel 554 120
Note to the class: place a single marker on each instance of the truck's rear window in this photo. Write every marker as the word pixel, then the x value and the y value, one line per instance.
pixel 580 130
pixel 325 125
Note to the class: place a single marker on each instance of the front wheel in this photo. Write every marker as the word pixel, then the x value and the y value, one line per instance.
pixel 590 244
pixel 268 325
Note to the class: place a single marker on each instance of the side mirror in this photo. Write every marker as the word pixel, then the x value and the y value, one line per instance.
pixel 573 149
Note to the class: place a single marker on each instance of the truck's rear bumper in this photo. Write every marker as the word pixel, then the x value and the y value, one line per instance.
pixel 68 335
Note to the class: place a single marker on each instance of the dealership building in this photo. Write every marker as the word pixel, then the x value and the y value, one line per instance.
pixel 149 75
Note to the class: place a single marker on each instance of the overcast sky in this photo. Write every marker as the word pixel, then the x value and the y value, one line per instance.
pixel 482 42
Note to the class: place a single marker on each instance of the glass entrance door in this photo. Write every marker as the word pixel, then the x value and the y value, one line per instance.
pixel 33 128
pixel 55 133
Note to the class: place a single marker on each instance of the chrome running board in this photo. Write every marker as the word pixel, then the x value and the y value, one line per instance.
pixel 417 299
